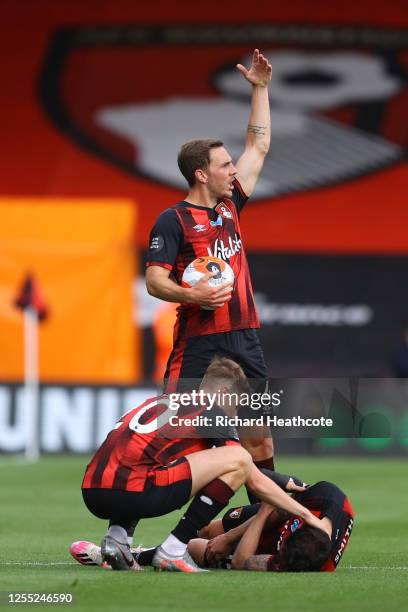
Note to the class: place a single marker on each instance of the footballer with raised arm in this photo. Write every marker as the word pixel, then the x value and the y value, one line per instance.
pixel 215 321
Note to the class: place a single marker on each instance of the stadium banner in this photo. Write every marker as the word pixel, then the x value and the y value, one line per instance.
pixel 80 253
pixel 316 416
pixel 331 315
pixel 320 315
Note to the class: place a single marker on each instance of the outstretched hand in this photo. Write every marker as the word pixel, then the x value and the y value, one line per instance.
pixel 260 71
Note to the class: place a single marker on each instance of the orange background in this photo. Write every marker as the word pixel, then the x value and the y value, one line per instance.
pixel 81 254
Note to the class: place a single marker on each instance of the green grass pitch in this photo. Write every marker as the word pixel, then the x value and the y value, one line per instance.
pixel 42 513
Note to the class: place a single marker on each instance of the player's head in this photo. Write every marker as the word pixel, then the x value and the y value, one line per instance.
pixel 226 378
pixel 304 551
pixel 206 162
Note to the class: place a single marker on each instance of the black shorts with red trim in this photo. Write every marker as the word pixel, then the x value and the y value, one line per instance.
pixel 167 488
pixel 191 357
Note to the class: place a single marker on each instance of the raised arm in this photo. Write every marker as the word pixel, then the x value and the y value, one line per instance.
pixel 250 163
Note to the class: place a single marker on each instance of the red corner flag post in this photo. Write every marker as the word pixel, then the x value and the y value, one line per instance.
pixel 32 303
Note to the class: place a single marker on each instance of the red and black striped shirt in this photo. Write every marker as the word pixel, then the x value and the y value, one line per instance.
pixel 145 439
pixel 185 232
pixel 322 499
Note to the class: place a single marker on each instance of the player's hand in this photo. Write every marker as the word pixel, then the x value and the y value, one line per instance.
pixel 210 297
pixel 260 71
pixel 218 548
pixel 292 486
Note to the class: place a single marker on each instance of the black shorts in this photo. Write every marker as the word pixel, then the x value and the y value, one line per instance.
pixel 168 489
pixel 190 358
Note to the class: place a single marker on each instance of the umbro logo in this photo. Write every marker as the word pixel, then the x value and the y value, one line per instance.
pixel 199 227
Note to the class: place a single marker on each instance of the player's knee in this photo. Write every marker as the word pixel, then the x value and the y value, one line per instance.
pixel 243 461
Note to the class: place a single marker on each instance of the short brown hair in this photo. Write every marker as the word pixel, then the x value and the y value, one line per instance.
pixel 194 155
pixel 222 368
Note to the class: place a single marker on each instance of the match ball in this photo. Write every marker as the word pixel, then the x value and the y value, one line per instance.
pixel 204 265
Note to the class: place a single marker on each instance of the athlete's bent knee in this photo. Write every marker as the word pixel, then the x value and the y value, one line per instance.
pixel 242 459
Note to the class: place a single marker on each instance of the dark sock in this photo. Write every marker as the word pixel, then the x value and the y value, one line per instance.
pixel 263 463
pixel 128 526
pixel 266 463
pixel 203 509
pixel 145 557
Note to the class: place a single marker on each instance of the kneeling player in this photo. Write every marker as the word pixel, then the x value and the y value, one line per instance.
pixel 143 470
pixel 258 537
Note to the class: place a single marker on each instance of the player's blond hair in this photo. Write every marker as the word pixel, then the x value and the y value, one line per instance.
pixel 227 370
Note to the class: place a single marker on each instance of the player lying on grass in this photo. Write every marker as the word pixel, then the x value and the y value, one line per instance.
pixel 88 553
pixel 147 467
pixel 259 537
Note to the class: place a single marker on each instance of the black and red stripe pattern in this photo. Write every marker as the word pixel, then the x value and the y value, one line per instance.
pixel 324 499
pixel 141 443
pixel 203 237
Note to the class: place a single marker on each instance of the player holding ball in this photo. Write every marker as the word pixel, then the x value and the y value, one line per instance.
pixel 216 320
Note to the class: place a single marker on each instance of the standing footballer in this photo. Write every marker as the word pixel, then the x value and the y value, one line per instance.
pixel 214 321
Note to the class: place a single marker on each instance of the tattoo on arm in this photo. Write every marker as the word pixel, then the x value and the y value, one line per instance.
pixel 257 563
pixel 258 130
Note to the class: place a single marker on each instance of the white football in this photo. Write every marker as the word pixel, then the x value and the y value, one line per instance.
pixel 204 265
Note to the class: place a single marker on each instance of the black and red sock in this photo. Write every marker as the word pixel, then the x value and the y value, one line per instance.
pixel 203 509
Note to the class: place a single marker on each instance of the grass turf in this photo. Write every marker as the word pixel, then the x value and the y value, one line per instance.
pixel 43 512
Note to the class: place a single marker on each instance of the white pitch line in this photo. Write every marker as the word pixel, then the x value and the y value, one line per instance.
pixel 62 563
pixel 35 563
pixel 375 567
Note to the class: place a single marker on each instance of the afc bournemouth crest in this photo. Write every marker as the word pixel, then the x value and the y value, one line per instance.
pixel 133 94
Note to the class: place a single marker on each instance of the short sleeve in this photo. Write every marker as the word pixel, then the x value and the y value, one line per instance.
pixel 222 433
pixel 165 241
pixel 239 197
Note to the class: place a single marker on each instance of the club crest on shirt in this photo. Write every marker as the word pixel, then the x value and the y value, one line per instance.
pixel 223 210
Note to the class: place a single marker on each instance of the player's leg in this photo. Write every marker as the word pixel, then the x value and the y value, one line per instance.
pixel 115 548
pixel 118 507
pixel 245 348
pixel 197 548
pixel 212 530
pixel 188 362
pixel 215 476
